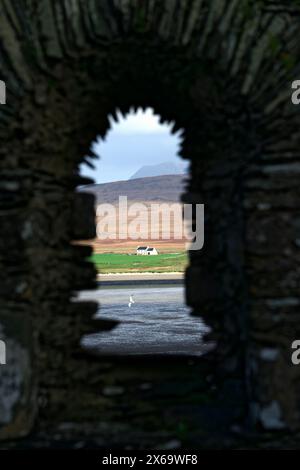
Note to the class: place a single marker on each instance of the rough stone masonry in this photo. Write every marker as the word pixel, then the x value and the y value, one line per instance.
pixel 222 70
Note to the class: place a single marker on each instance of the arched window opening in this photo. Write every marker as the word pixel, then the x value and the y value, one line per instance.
pixel 140 248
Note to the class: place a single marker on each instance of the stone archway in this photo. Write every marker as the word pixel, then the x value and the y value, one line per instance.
pixel 222 71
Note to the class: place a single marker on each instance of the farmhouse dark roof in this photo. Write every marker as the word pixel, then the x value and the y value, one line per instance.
pixel 150 249
pixel 142 248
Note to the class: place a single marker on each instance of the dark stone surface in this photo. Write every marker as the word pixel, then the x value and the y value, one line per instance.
pixel 17 382
pixel 219 73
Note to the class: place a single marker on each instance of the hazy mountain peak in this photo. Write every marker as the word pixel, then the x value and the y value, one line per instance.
pixel 165 168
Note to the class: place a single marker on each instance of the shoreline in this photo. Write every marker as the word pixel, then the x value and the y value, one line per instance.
pixel 145 276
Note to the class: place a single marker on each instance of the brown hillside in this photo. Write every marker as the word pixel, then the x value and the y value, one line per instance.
pixel 149 190
pixel 166 188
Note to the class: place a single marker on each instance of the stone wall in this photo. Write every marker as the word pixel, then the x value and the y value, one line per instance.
pixel 222 71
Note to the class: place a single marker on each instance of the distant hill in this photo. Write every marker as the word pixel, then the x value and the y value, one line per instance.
pixel 156 189
pixel 166 168
pixel 166 188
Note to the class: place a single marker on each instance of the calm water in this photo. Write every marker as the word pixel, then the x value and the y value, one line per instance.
pixel 157 323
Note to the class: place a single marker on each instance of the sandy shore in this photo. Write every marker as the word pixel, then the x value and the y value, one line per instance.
pixel 141 276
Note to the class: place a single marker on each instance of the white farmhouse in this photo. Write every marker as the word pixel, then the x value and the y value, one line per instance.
pixel 146 250
pixel 141 250
pixel 152 251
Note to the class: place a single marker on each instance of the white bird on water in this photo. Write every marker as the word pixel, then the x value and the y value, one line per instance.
pixel 131 301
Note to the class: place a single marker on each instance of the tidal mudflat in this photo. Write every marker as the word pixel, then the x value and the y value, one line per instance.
pixel 153 320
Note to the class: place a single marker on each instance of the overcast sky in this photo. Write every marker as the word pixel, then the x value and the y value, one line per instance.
pixel 131 143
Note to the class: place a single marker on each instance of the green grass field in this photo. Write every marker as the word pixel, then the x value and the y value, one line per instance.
pixel 121 263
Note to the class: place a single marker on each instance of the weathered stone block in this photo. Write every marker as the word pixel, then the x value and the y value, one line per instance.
pixel 83 223
pixel 17 388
